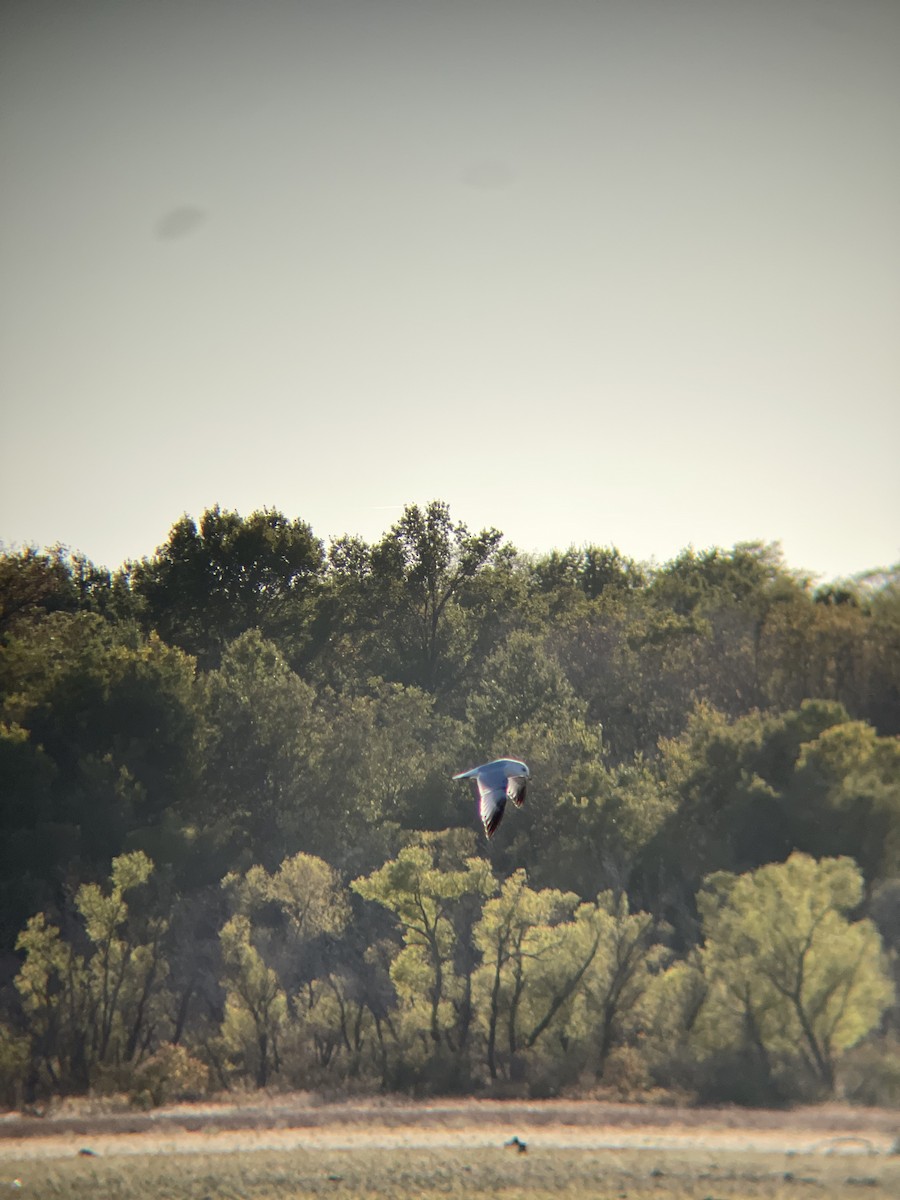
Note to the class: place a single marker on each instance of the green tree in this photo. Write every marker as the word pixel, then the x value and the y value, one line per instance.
pixel 840 643
pixel 643 657
pixel 95 1010
pixel 262 751
pixel 845 798
pixel 637 666
pixel 605 823
pixel 256 1007
pixel 414 597
pixel 34 583
pixel 564 755
pixel 883 700
pixel 432 558
pixel 385 766
pixel 269 985
pixel 14 1055
pixel 100 741
pixel 514 933
pixel 26 860
pixel 211 582
pixel 790 976
pixel 435 890
pixel 728 784
pixel 521 683
pixel 572 578
pixel 750 573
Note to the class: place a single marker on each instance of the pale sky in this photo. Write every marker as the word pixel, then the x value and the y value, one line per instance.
pixel 611 271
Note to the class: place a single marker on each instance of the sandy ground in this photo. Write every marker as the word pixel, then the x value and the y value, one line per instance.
pixel 290 1122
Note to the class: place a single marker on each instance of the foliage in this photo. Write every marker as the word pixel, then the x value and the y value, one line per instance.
pixel 92 1010
pixel 517 936
pixel 790 978
pixel 715 774
pixel 14 1056
pixel 98 734
pixel 263 743
pixel 414 597
pixel 260 956
pixel 744 793
pixel 214 580
pixel 435 891
pixel 846 797
pixel 256 1007
pixel 169 1074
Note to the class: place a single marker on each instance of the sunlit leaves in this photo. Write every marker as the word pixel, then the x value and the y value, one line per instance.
pixel 426 892
pixel 255 1003
pixel 91 1011
pixel 787 967
pixel 306 889
pixel 846 796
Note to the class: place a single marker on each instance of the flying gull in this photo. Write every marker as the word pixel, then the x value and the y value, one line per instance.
pixel 498 781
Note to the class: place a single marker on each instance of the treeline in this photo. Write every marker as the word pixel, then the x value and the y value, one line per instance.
pixel 231 852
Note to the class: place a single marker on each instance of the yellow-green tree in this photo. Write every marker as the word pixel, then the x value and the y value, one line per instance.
pixel 554 966
pixel 790 976
pixel 256 1006
pixel 518 929
pixel 436 890
pixel 305 888
pixel 14 1055
pixel 98 1009
pixel 618 978
pixel 261 960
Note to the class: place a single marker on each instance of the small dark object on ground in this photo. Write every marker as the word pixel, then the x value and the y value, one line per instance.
pixel 517 1141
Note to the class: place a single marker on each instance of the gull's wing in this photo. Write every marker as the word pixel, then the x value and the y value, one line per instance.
pixel 515 789
pixel 495 787
pixel 492 804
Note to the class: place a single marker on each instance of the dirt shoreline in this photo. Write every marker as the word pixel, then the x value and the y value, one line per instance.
pixel 301 1121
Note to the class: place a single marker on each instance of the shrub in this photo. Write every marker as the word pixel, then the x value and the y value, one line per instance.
pixel 14 1051
pixel 870 1073
pixel 625 1072
pixel 169 1074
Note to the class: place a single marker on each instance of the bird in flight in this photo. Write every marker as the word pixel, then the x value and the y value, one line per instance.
pixel 498 781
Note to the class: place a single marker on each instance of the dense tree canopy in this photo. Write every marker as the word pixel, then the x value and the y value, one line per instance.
pixel 230 846
pixel 209 583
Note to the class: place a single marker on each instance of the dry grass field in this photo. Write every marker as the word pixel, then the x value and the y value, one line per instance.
pixel 288 1148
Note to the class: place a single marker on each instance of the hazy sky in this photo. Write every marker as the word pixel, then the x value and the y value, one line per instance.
pixel 612 271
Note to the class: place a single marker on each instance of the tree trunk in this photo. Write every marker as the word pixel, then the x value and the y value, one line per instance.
pixel 262 1067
